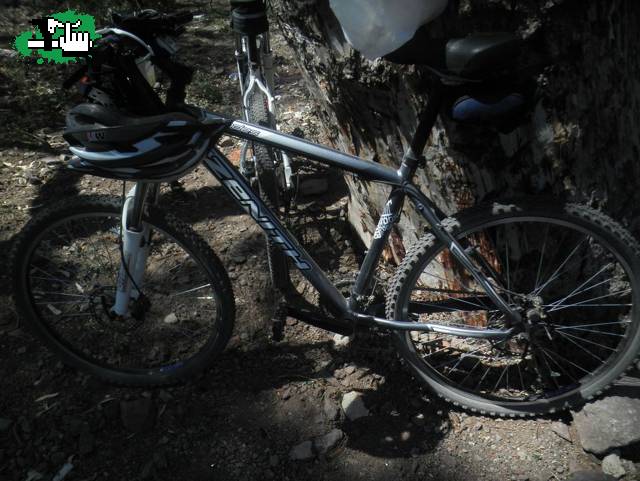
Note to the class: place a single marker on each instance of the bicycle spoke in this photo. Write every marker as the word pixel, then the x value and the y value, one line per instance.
pixel 592 325
pixel 500 378
pixel 482 379
pixel 470 372
pixel 559 366
pixel 558 271
pixel 552 374
pixel 579 290
pixel 581 347
pixel 566 334
pixel 565 360
pixel 544 245
pixel 584 303
pixel 594 331
pixel 191 290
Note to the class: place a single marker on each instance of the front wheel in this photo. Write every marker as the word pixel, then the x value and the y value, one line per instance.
pixel 65 268
pixel 570 271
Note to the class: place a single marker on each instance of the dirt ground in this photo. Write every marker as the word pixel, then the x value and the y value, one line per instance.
pixel 241 419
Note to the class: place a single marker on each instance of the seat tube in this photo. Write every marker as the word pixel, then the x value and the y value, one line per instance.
pixel 426 120
pixel 390 215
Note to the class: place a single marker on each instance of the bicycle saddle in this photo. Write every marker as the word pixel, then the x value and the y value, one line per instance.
pixel 476 56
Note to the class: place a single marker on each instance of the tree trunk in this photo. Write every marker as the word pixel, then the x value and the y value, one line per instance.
pixel 581 140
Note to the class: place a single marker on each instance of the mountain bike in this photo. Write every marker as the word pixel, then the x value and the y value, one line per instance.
pixel 270 170
pixel 514 308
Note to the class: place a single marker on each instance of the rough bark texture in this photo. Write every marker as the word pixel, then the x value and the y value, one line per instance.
pixel 581 140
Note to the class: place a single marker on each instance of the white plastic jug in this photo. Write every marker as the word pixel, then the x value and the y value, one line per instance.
pixel 378 27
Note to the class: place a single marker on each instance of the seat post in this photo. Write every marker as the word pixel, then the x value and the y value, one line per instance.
pixel 426 120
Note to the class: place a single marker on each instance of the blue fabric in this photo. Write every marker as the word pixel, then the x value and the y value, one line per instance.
pixel 468 109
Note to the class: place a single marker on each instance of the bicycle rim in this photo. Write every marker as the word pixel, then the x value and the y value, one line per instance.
pixel 573 288
pixel 71 271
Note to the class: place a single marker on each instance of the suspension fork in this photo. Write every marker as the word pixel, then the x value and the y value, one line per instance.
pixel 136 237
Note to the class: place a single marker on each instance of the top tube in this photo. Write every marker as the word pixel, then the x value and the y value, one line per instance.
pixel 367 169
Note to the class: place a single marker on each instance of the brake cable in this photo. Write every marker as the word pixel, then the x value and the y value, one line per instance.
pixel 120 244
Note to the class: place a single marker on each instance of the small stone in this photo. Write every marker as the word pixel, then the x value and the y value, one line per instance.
pixel 339 374
pixel 405 436
pixel 341 341
pixel 349 369
pixel 274 460
pixel 630 468
pixel 326 443
pixel 419 419
pixel 171 318
pixel 239 259
pixel 330 409
pixel 353 406
pixel 477 427
pixel 138 415
pixel 286 394
pixel 612 465
pixel 562 430
pixel 302 451
pixel 608 423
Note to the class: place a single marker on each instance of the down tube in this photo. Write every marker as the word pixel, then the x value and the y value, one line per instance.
pixel 237 186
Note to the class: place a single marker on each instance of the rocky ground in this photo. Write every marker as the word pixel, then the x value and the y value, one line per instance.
pixel 315 406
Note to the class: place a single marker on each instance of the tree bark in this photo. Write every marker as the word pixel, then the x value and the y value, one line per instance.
pixel 581 140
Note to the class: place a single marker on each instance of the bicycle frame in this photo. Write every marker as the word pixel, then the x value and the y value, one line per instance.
pixel 349 310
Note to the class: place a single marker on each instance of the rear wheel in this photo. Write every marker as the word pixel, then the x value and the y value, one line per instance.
pixel 65 267
pixel 270 184
pixel 570 271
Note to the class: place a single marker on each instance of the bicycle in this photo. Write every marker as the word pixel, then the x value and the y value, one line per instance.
pixel 486 309
pixel 270 170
